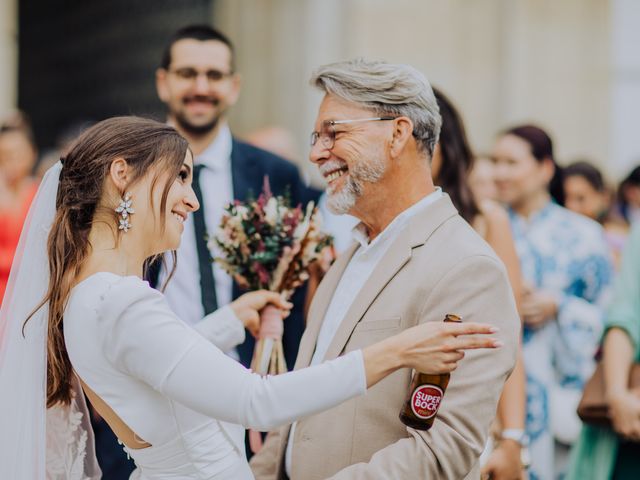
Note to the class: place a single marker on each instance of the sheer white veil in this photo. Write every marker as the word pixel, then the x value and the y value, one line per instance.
pixel 35 442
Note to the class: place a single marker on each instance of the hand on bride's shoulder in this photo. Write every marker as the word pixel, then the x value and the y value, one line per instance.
pixel 247 307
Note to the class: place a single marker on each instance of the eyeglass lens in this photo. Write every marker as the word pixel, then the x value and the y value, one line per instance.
pixel 326 135
pixel 192 74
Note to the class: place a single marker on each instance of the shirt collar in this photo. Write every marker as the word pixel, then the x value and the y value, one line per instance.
pixel 360 234
pixel 217 155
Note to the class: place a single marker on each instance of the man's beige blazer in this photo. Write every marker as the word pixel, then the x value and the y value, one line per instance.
pixel 436 265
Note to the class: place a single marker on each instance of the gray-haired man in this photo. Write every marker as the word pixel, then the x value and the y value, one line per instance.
pixel 414 259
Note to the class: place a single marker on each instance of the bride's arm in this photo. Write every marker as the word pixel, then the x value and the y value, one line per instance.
pixel 222 328
pixel 227 391
pixel 144 339
pixel 147 341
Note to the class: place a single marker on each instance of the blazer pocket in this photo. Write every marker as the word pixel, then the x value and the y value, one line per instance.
pixel 383 324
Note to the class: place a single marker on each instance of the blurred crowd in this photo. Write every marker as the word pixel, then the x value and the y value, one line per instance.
pixel 566 235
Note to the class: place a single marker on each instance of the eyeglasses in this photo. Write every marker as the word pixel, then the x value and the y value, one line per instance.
pixel 327 133
pixel 189 74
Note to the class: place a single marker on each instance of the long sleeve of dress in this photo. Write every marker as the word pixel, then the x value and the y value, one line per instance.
pixel 581 310
pixel 222 328
pixel 144 339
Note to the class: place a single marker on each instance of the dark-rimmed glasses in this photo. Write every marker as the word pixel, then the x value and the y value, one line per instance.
pixel 327 133
pixel 190 74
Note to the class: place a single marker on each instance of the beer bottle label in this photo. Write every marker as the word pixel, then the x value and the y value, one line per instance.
pixel 425 401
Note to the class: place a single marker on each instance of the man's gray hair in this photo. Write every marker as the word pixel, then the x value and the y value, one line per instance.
pixel 389 90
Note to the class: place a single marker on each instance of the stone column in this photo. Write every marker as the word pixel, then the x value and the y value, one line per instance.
pixel 625 86
pixel 278 43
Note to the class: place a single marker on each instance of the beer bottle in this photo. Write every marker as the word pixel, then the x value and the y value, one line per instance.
pixel 425 395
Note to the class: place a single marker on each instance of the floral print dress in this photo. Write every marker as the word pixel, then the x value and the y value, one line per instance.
pixel 566 255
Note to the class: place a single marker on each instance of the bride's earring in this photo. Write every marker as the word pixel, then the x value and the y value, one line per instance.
pixel 125 211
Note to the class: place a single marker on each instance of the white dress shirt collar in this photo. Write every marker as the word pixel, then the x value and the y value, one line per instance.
pixel 217 155
pixel 361 235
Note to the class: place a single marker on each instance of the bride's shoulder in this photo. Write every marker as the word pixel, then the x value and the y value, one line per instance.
pixel 105 283
pixel 111 294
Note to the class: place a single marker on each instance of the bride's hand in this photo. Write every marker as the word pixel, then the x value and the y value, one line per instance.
pixel 247 307
pixel 433 348
pixel 437 347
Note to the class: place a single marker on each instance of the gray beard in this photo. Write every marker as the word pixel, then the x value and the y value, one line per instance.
pixel 341 202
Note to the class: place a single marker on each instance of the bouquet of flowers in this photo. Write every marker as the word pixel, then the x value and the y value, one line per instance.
pixel 267 244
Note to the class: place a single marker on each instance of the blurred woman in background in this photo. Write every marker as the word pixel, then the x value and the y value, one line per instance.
pixel 18 155
pixel 481 181
pixel 603 453
pixel 450 166
pixel 566 271
pixel 629 197
pixel 586 193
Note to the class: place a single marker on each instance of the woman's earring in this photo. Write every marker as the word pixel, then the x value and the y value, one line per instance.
pixel 125 210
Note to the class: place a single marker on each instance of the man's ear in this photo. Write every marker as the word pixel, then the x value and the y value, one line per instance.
pixel 402 133
pixel 161 85
pixel 236 84
pixel 120 173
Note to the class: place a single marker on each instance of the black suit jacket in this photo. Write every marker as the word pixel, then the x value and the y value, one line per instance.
pixel 249 166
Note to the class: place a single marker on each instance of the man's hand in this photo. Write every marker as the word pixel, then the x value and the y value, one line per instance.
pixel 504 462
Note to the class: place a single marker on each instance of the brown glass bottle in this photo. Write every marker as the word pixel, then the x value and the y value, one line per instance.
pixel 425 395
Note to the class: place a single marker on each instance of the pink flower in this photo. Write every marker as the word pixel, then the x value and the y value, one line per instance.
pixel 263 275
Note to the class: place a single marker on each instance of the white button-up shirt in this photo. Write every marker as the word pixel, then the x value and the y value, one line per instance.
pixel 360 267
pixel 183 292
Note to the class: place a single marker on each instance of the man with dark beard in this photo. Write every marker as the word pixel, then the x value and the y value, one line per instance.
pixel 198 83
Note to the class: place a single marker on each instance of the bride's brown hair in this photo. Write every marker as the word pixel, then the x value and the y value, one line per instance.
pixel 145 145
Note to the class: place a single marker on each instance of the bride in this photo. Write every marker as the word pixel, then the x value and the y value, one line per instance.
pixel 176 402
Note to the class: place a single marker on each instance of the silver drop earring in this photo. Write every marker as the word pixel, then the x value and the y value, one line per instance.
pixel 125 211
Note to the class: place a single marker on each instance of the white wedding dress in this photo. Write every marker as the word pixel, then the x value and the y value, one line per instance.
pixel 178 391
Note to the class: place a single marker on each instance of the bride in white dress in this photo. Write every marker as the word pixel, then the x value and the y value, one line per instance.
pixel 178 404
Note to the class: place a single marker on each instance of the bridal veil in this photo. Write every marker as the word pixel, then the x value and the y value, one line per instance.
pixel 36 442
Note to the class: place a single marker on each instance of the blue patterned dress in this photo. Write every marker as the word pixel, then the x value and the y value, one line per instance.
pixel 565 254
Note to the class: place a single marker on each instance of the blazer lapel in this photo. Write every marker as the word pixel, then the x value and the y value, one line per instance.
pixel 416 233
pixel 319 306
pixel 425 223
